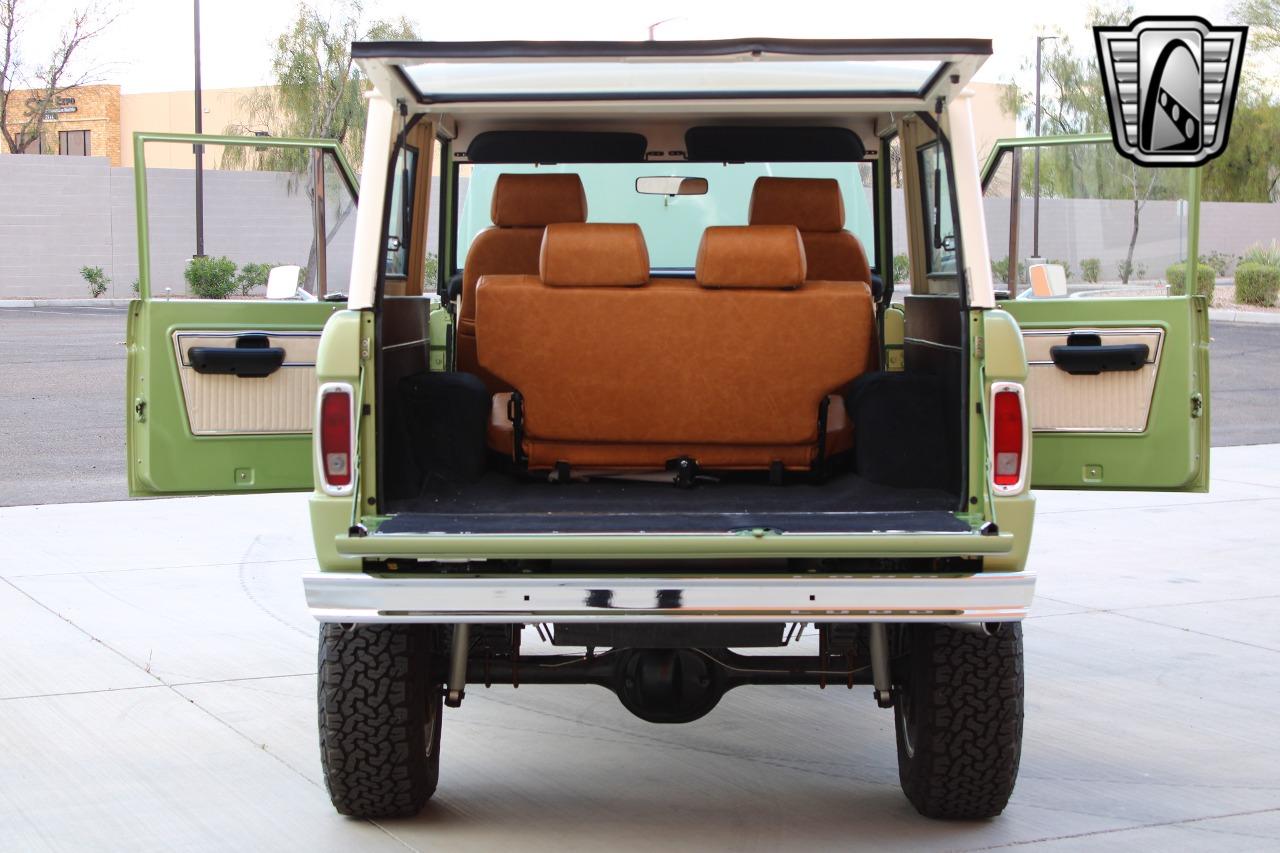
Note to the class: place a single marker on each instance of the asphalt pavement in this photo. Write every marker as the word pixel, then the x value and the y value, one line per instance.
pixel 62 407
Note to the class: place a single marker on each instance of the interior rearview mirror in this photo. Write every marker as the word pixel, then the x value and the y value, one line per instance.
pixel 670 185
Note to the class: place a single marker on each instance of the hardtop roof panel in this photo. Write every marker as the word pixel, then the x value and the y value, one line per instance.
pixel 512 71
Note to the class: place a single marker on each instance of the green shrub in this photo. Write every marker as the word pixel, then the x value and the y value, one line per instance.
pixel 1000 269
pixel 1176 275
pixel 96 279
pixel 1259 253
pixel 430 273
pixel 1131 269
pixel 137 288
pixel 901 268
pixel 1219 262
pixel 1257 284
pixel 251 276
pixel 211 278
pixel 1091 269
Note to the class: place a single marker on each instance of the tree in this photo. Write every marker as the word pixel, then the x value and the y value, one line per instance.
pixel 1263 18
pixel 22 118
pixel 319 90
pixel 1249 168
pixel 319 93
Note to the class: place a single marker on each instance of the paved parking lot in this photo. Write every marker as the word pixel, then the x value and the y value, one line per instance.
pixel 157 693
pixel 62 406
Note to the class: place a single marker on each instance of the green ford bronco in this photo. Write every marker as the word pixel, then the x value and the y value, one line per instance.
pixel 667 352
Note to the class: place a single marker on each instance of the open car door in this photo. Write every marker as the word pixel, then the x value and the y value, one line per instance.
pixel 221 377
pixel 1118 360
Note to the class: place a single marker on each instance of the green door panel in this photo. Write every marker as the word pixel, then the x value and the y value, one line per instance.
pixel 166 455
pixel 1132 430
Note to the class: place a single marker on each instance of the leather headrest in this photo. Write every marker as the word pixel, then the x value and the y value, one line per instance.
pixel 531 201
pixel 758 256
pixel 810 204
pixel 596 254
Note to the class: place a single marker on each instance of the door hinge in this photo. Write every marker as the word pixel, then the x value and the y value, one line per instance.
pixel 979 348
pixel 364 349
pixel 1197 405
pixel 140 410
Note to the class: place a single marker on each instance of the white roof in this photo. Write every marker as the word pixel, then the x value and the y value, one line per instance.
pixel 490 77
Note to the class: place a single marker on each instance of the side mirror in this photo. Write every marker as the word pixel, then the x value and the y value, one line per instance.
pixel 282 282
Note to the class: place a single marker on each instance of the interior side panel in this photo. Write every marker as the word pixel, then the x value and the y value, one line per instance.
pixel 932 345
pixel 404 353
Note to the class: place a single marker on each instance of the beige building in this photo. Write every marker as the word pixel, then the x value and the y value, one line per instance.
pixel 174 112
pixel 98 121
pixel 84 122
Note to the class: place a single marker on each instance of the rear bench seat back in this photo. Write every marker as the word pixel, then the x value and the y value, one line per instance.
pixel 616 370
pixel 521 207
pixel 816 208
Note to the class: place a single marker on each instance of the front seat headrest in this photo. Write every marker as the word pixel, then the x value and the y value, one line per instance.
pixel 810 204
pixel 531 201
pixel 751 256
pixel 595 254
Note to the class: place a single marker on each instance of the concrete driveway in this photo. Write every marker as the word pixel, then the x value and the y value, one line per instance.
pixel 157 693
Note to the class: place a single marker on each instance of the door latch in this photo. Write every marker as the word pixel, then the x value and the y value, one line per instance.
pixel 140 409
pixel 1197 405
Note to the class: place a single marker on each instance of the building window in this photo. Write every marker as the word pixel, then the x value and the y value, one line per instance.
pixel 74 143
pixel 34 147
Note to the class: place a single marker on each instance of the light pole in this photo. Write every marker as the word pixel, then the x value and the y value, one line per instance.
pixel 1035 216
pixel 199 149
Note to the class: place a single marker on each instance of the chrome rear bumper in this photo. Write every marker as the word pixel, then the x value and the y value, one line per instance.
pixel 357 597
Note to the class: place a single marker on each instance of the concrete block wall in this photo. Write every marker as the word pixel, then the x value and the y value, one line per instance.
pixel 58 214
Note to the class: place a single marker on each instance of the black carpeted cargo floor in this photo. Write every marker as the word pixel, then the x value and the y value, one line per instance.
pixel 501 503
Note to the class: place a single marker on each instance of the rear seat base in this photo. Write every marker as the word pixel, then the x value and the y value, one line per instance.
pixel 543 455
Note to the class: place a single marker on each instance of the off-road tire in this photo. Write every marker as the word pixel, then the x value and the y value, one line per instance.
pixel 958 717
pixel 380 714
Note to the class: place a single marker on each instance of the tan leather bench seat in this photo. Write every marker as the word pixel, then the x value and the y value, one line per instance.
pixel 521 207
pixel 816 208
pixel 616 370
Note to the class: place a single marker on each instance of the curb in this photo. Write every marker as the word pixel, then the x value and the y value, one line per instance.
pixel 1257 318
pixel 65 303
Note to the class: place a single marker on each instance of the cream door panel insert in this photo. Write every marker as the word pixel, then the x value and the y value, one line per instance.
pixel 1112 401
pixel 220 404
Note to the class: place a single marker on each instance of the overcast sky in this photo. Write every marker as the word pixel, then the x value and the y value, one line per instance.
pixel 149 47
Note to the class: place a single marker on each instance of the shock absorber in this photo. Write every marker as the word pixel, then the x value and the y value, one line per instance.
pixel 458 665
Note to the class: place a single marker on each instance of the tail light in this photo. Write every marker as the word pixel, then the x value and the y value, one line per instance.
pixel 335 433
pixel 1009 438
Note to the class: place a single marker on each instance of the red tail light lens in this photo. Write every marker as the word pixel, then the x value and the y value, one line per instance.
pixel 335 438
pixel 1007 445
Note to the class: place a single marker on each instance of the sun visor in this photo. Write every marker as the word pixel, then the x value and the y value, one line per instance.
pixel 550 146
pixel 711 144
